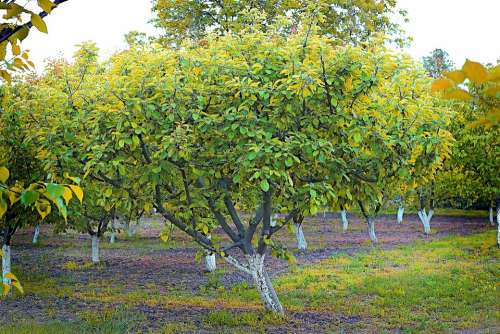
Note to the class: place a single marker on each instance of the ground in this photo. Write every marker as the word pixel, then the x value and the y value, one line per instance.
pixel 409 283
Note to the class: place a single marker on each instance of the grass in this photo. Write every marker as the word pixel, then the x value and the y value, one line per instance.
pixel 437 286
pixel 424 287
pixel 107 321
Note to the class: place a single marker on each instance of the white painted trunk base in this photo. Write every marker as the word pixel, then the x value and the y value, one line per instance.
pixel 210 263
pixel 498 225
pixel 301 239
pixel 95 249
pixel 345 222
pixel 36 234
pixel 401 211
pixel 371 230
pixel 491 216
pixel 112 238
pixel 425 218
pixel 6 264
pixel 263 284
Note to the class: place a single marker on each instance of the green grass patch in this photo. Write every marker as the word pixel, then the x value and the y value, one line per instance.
pixel 103 321
pixel 434 286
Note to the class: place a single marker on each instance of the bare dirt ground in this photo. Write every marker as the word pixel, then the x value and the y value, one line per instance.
pixel 146 263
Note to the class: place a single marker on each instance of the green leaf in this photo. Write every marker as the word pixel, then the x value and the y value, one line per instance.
pixel 289 162
pixel 54 190
pixel 29 197
pixel 264 185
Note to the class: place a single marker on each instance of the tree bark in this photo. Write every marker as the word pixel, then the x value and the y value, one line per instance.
pixel 498 220
pixel 492 222
pixel 301 239
pixel 36 234
pixel 401 211
pixel 6 264
pixel 263 284
pixel 210 263
pixel 371 230
pixel 95 249
pixel 425 218
pixel 345 222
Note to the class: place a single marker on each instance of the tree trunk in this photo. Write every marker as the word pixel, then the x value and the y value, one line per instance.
pixel 36 234
pixel 492 222
pixel 210 263
pixel 6 264
pixel 301 240
pixel 371 230
pixel 95 249
pixel 263 284
pixel 426 219
pixel 498 223
pixel 112 238
pixel 131 229
pixel 345 222
pixel 401 211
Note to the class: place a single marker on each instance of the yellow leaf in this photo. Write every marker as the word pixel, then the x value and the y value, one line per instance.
pixel 19 63
pixel 18 286
pixel 5 75
pixel 46 5
pixel 11 276
pixel 39 23
pixel 3 207
pixel 16 50
pixel 457 76
pixel 44 208
pixel 441 84
pixel 14 194
pixel 4 174
pixel 494 74
pixel 6 289
pixel 492 91
pixel 475 72
pixel 13 11
pixel 67 195
pixel 78 192
pixel 457 94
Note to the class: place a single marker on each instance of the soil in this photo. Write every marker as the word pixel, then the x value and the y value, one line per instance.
pixel 174 268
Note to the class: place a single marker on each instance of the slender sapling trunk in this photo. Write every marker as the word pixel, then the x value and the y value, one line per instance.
pixel 301 239
pixel 95 248
pixel 345 222
pixel 36 234
pixel 210 263
pixel 401 211
pixel 6 264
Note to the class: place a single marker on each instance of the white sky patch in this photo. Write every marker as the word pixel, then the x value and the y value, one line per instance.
pixel 463 28
pixel 102 21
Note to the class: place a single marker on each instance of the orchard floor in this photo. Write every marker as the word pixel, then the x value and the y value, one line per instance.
pixel 409 283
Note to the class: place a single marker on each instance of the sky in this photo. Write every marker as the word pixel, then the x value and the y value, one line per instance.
pixel 463 28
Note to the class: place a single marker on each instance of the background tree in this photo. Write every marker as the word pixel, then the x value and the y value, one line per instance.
pixel 479 88
pixel 345 21
pixel 437 63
